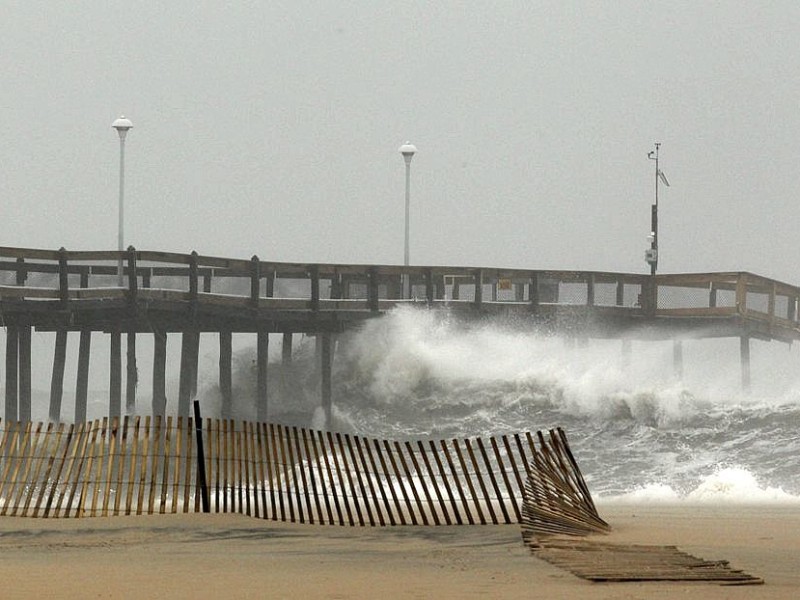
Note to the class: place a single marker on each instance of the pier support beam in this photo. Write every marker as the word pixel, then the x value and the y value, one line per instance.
pixel 82 382
pixel 744 355
pixel 286 350
pixel 326 357
pixel 115 378
pixel 57 380
pixel 262 358
pixel 677 359
pixel 12 372
pixel 190 350
pixel 132 375
pixel 225 373
pixel 159 401
pixel 25 373
pixel 286 365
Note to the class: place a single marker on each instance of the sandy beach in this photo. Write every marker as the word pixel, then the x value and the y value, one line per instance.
pixel 230 556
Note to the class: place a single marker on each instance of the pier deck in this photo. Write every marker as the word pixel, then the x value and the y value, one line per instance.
pixel 159 293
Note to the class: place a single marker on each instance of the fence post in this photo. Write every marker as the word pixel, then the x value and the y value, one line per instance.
pixel 201 459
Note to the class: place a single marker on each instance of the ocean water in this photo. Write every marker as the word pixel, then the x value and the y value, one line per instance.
pixel 639 432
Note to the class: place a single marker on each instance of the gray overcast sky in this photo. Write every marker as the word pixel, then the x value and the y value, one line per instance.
pixel 273 127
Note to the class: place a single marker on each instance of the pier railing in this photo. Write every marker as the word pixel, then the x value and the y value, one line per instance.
pixel 41 278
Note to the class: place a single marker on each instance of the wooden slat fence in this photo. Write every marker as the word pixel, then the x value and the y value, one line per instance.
pixel 144 465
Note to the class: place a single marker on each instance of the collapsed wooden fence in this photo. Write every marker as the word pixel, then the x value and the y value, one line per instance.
pixel 147 465
pixel 559 518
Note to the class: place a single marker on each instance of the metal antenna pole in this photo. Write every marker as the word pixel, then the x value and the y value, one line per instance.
pixel 654 216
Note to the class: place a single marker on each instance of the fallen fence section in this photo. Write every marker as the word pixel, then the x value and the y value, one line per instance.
pixel 556 497
pixel 557 507
pixel 147 465
pixel 595 561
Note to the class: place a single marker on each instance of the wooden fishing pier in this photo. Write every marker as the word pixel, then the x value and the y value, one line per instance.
pixel 129 294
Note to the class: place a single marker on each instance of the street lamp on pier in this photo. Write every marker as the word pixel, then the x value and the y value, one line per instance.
pixel 407 150
pixel 122 125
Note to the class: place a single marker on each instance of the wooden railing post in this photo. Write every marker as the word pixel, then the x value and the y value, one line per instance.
pixel 519 292
pixel 314 272
pixel 590 290
pixel 620 299
pixel 533 292
pixel 133 281
pixel 63 277
pixel 193 276
pixel 478 287
pixel 255 280
pixel 336 286
pixel 22 271
pixel 741 294
pixel 193 289
pixel 372 289
pixel 429 285
pixel 771 303
pixel 270 283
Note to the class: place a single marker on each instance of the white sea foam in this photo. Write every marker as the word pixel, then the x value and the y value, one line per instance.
pixel 410 348
pixel 729 485
pixel 423 372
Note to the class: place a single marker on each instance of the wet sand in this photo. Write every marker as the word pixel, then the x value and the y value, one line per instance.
pixel 231 556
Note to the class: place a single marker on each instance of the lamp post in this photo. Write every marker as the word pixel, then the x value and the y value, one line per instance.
pixel 407 150
pixel 122 125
